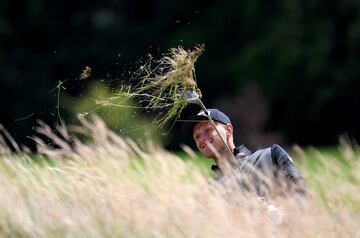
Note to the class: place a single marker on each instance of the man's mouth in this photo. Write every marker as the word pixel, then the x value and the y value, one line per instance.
pixel 204 144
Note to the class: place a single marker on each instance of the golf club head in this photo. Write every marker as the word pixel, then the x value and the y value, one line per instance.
pixel 192 97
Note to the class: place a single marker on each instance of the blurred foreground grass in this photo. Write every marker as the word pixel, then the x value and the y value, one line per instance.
pixel 109 186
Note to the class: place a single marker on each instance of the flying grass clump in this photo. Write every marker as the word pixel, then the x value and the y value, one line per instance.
pixel 163 83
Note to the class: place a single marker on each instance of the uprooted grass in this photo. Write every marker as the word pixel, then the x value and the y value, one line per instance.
pixel 113 187
pixel 163 84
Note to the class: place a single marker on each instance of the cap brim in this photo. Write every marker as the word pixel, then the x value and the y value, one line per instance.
pixel 190 122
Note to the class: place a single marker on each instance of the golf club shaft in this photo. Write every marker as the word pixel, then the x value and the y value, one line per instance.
pixel 271 208
pixel 201 104
pixel 192 97
pixel 221 138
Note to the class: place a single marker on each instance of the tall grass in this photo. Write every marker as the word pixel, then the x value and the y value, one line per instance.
pixel 108 186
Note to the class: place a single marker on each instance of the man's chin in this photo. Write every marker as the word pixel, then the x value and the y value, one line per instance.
pixel 208 153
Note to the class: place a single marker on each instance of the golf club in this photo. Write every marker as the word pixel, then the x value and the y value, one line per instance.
pixel 193 98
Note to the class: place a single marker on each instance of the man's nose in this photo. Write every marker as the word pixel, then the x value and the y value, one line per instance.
pixel 202 138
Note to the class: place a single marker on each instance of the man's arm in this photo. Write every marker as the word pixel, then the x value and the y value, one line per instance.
pixel 287 168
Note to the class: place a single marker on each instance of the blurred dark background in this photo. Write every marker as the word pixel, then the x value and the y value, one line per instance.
pixel 286 71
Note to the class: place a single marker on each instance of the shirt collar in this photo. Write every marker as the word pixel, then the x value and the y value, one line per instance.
pixel 241 151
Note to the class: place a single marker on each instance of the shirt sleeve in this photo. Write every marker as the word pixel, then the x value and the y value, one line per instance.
pixel 287 168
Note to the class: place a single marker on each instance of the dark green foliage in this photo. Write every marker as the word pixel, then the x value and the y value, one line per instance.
pixel 303 55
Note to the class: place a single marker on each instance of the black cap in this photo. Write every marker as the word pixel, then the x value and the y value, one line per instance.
pixel 214 114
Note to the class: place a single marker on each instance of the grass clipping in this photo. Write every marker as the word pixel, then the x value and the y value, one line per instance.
pixel 164 82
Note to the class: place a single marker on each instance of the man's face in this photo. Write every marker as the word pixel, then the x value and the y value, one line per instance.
pixel 204 134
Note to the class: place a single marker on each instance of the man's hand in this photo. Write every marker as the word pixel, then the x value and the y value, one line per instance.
pixel 272 211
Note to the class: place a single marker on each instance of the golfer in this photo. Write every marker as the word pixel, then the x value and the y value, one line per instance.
pixel 268 172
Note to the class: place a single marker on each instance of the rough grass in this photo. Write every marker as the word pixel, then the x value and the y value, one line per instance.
pixel 107 186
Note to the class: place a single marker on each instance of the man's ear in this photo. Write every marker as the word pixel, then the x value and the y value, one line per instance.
pixel 229 130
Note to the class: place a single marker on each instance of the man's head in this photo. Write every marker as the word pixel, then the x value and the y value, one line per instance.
pixel 205 135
